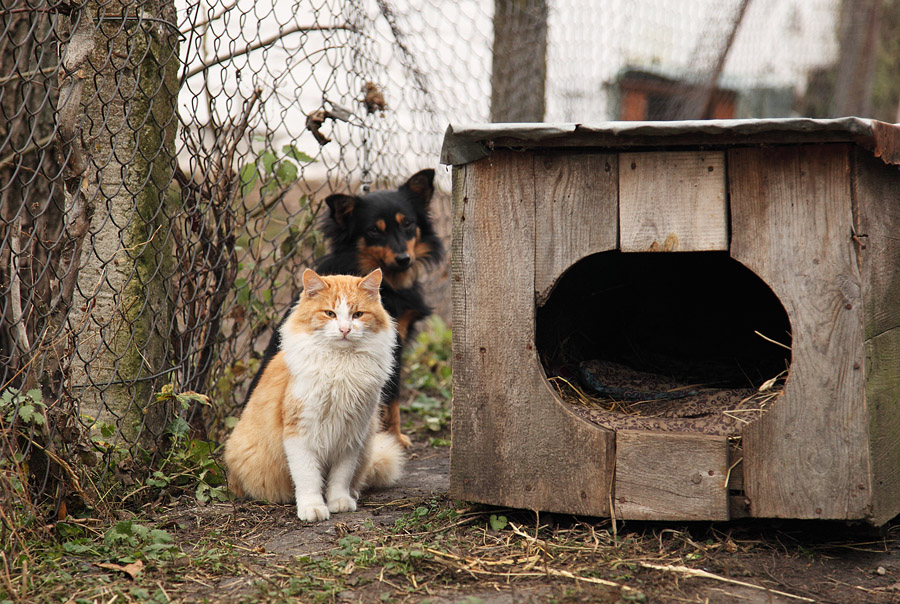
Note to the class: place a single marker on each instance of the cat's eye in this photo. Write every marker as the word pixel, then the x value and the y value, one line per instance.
pixel 358 314
pixel 330 314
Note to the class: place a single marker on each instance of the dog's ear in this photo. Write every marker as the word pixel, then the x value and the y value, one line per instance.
pixel 341 207
pixel 422 185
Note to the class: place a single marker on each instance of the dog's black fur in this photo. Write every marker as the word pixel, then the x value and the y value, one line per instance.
pixel 391 230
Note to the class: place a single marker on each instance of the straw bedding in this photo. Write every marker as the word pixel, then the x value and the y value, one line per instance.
pixel 616 396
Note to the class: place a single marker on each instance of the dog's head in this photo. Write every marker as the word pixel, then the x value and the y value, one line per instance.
pixel 390 230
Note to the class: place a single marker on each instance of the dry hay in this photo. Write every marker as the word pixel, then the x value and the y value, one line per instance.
pixel 616 396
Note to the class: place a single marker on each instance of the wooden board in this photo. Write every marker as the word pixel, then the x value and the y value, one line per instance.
pixel 671 476
pixel 876 196
pixel 883 402
pixel 807 457
pixel 672 201
pixel 577 212
pixel 514 443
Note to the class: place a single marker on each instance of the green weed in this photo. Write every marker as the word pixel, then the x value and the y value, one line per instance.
pixel 429 375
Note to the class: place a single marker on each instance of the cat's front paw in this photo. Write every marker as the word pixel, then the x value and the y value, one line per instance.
pixel 343 503
pixel 312 512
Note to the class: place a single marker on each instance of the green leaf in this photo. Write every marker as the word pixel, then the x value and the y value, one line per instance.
pixel 286 172
pixel 68 531
pixel 249 174
pixel 269 189
pixel 294 153
pixel 161 536
pixel 26 412
pixel 76 547
pixel 498 523
pixel 121 532
pixel 179 428
pixel 268 159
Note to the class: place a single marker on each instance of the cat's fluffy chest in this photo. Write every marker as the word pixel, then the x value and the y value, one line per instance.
pixel 334 389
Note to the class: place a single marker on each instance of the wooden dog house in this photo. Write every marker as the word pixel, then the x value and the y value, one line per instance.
pixel 636 241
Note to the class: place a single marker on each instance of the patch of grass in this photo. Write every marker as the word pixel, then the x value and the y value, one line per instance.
pixel 429 379
pixel 129 560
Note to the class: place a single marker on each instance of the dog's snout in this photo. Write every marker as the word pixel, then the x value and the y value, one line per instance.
pixel 402 259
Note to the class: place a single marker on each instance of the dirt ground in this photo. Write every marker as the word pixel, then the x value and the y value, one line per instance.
pixel 413 544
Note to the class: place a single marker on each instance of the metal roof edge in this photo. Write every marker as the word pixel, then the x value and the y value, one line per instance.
pixel 466 143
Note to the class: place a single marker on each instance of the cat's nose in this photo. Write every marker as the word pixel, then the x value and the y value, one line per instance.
pixel 402 260
pixel 345 329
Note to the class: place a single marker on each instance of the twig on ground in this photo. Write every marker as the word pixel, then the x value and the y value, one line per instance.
pixel 695 572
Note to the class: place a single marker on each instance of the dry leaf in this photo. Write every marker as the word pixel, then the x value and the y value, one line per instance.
pixel 132 570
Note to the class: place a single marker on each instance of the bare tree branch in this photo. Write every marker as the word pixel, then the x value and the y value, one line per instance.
pixel 15 282
pixel 209 20
pixel 262 44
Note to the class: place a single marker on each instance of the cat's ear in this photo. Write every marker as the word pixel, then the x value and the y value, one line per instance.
pixel 341 206
pixel 421 184
pixel 371 283
pixel 312 283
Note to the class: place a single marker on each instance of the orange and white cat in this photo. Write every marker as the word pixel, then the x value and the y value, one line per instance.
pixel 311 426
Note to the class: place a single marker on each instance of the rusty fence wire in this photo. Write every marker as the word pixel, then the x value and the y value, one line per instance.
pixel 163 166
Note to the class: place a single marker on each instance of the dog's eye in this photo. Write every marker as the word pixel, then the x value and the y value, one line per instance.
pixel 407 223
pixel 330 314
pixel 374 232
pixel 357 314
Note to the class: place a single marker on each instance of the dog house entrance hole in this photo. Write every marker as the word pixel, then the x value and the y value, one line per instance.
pixel 681 341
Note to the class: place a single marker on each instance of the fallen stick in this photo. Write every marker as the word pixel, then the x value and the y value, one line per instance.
pixel 693 572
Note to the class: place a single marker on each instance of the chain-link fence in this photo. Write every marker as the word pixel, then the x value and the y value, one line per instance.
pixel 162 167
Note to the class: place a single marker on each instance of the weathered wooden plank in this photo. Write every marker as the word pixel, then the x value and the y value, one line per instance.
pixel 577 212
pixel 672 201
pixel 737 500
pixel 514 443
pixel 876 196
pixel 883 402
pixel 807 457
pixel 671 476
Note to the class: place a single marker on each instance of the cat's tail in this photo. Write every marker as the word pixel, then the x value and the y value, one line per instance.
pixel 386 462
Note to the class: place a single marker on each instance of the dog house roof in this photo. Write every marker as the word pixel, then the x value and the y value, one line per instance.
pixel 466 143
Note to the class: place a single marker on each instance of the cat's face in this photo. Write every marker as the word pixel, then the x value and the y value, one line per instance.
pixel 342 309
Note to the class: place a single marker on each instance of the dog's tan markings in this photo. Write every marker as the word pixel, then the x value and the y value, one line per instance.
pixel 371 257
pixel 422 249
pixel 404 321
pixel 400 217
pixel 403 280
pixel 390 422
pixel 374 256
pixel 381 224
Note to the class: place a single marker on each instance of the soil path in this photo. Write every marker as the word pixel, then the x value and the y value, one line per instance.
pixel 748 562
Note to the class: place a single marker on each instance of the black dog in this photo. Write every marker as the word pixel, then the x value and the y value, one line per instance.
pixel 390 230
